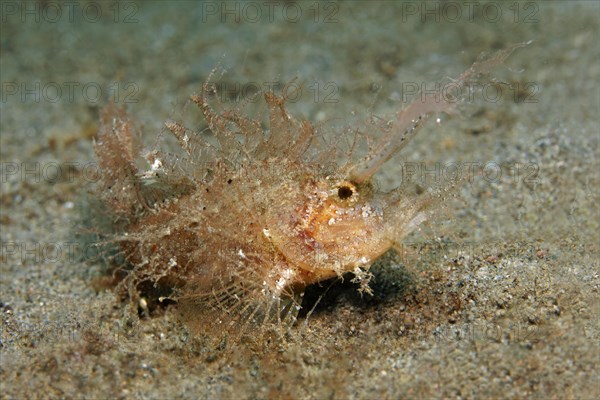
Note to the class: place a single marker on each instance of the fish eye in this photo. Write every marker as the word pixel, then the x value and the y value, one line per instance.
pixel 345 192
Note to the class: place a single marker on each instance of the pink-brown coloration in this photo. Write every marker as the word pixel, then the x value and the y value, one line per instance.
pixel 237 227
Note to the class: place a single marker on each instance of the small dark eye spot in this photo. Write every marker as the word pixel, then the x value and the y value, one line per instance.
pixel 344 192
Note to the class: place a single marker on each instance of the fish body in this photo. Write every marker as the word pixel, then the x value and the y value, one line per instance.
pixel 235 228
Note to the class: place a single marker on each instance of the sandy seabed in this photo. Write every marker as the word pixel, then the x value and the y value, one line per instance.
pixel 496 298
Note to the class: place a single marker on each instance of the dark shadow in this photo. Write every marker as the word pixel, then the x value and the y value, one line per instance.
pixel 390 282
